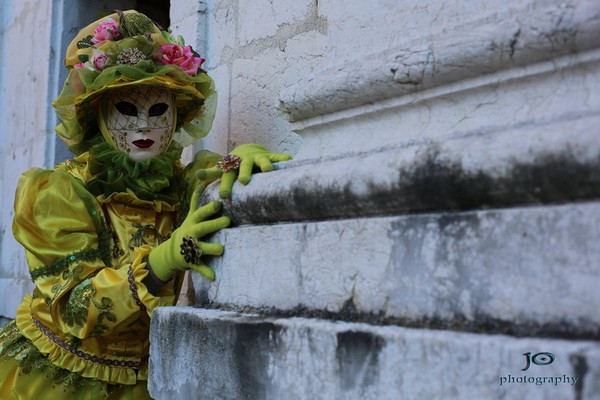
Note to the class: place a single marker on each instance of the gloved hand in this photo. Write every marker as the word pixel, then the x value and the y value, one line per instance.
pixel 251 155
pixel 167 259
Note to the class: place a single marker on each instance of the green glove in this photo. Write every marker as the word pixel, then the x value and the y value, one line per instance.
pixel 167 259
pixel 251 155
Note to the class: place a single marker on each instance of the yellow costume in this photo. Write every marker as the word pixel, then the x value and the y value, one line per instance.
pixel 90 307
pixel 89 225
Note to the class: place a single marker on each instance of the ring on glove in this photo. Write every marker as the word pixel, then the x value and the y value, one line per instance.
pixel 190 250
pixel 229 163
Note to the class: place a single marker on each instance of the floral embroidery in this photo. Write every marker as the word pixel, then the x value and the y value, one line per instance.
pixel 76 310
pixel 69 276
pixel 104 306
pixel 137 238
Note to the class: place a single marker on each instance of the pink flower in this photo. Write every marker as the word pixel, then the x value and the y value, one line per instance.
pixel 96 61
pixel 106 30
pixel 182 56
pixel 100 61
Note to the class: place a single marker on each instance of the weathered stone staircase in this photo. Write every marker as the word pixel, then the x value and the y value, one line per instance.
pixel 437 236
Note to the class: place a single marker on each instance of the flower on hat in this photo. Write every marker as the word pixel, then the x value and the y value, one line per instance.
pixel 182 56
pixel 130 56
pixel 106 30
pixel 96 61
pixel 99 61
pixel 111 44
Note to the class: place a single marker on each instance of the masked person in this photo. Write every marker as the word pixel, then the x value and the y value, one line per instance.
pixel 107 233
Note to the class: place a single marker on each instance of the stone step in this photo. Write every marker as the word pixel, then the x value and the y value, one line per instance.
pixel 538 162
pixel 208 354
pixel 522 271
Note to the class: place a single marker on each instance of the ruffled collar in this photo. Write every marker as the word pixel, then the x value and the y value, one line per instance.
pixel 158 178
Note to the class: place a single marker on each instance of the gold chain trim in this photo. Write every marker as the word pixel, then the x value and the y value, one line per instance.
pixel 133 289
pixel 81 354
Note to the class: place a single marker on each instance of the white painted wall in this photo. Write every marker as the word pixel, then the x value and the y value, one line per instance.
pixel 25 52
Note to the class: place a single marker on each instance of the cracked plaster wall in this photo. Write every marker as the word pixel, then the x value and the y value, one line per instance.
pixel 444 179
pixel 315 78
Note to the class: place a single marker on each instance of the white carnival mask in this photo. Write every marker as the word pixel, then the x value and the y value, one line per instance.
pixel 139 120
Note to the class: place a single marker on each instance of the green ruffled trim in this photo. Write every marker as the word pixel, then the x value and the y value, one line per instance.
pixel 13 344
pixel 156 178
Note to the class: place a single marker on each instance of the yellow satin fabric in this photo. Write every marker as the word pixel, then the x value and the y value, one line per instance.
pixel 16 385
pixel 85 316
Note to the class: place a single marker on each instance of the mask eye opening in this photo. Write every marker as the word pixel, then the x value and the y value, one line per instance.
pixel 127 108
pixel 158 109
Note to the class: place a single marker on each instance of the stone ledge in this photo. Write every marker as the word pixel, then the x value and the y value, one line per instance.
pixel 537 163
pixel 200 354
pixel 523 271
pixel 532 34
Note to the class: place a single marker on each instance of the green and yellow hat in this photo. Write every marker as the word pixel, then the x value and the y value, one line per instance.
pixel 125 49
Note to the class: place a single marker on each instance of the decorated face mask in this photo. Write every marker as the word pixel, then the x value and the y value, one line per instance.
pixel 139 120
